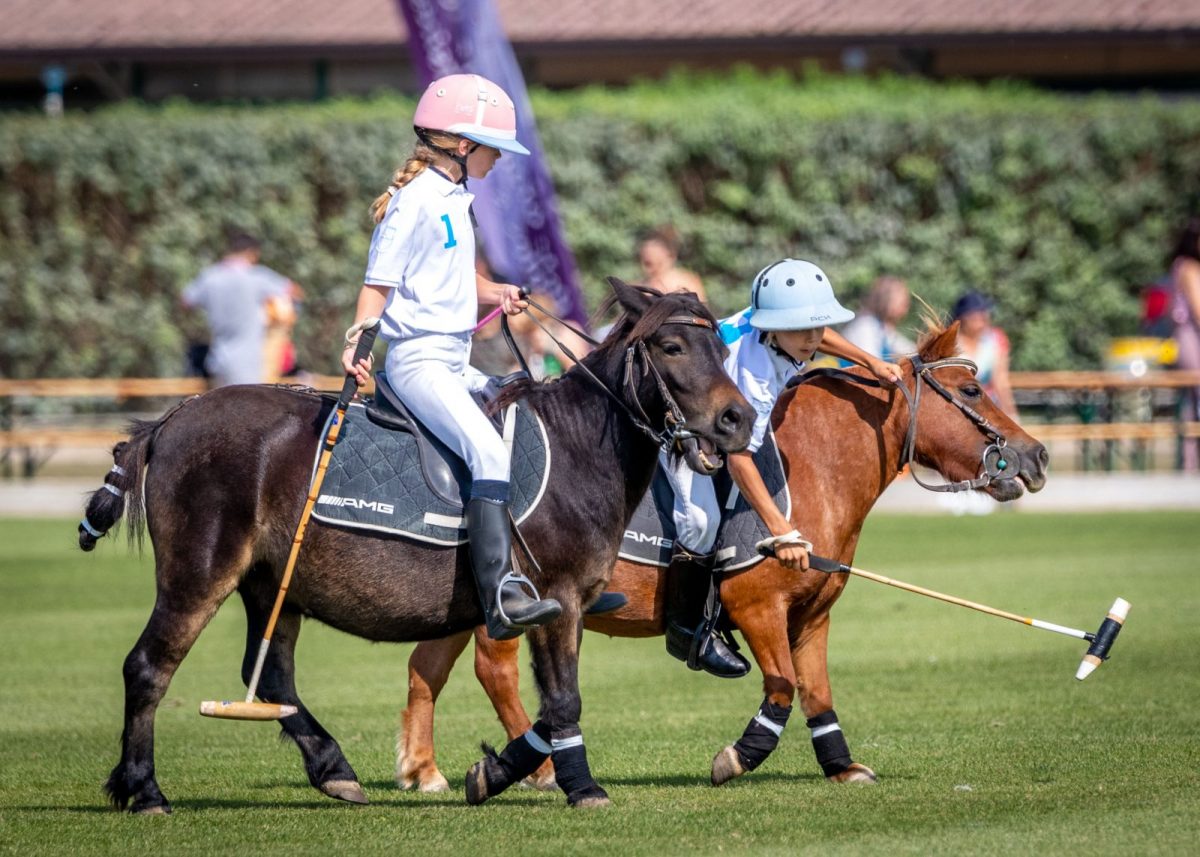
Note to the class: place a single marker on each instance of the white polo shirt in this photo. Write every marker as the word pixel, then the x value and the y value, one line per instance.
pixel 424 249
pixel 760 371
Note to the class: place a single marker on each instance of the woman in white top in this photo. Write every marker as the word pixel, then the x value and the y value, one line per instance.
pixel 421 279
pixel 792 306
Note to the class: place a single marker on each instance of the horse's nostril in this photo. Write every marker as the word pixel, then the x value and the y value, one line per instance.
pixel 730 420
pixel 1043 457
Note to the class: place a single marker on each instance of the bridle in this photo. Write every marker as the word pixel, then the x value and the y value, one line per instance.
pixel 993 466
pixel 675 428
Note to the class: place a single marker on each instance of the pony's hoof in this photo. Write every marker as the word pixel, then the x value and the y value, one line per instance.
pixel 592 803
pixel 348 790
pixel 477 790
pixel 425 782
pixel 726 766
pixel 157 809
pixel 592 797
pixel 856 773
pixel 542 779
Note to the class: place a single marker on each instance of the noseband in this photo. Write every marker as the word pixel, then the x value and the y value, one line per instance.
pixel 993 466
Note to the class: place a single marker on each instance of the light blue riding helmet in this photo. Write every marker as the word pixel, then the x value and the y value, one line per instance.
pixel 794 295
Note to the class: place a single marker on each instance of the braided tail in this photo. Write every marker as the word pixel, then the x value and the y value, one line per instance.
pixel 110 501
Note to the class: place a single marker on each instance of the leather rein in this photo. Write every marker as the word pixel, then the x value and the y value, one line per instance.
pixel 675 428
pixel 993 466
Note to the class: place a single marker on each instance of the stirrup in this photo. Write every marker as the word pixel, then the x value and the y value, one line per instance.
pixel 520 579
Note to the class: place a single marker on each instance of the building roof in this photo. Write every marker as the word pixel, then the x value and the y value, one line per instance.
pixel 107 27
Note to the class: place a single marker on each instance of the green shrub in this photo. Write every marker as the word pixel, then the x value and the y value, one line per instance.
pixel 1059 207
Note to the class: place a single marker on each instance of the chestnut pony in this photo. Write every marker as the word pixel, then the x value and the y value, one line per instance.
pixel 220 481
pixel 840 441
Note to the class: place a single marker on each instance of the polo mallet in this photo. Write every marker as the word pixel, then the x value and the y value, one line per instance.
pixel 1101 641
pixel 249 709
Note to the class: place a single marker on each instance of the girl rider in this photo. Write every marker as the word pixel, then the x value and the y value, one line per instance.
pixel 421 280
pixel 791 306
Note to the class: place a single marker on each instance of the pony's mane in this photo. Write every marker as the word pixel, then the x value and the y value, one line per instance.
pixel 939 340
pixel 626 330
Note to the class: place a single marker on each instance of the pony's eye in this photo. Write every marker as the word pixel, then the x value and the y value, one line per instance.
pixel 673 349
pixel 972 391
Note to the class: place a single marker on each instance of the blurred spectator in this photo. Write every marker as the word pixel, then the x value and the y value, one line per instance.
pixel 279 351
pixel 1185 312
pixel 234 293
pixel 658 252
pixel 874 327
pixel 987 345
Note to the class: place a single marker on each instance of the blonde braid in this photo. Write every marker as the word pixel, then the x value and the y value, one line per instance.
pixel 421 157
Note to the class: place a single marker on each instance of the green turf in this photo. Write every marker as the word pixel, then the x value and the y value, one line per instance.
pixel 983 740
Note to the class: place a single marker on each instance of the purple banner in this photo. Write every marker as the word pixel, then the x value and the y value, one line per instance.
pixel 515 206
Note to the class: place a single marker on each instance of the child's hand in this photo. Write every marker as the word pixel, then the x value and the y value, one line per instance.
pixel 888 373
pixel 511 300
pixel 361 372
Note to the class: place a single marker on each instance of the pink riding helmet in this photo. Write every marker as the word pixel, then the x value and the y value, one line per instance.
pixel 472 107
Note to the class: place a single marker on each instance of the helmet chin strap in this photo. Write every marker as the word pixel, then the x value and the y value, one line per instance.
pixel 424 136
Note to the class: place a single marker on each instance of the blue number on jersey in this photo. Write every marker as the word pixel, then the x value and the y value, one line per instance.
pixel 451 241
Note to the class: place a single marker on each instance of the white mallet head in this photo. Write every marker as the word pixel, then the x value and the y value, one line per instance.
pixel 1097 653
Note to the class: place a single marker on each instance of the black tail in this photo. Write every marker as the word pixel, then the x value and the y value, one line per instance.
pixel 122 487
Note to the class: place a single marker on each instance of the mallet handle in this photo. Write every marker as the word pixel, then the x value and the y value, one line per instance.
pixel 366 340
pixel 824 564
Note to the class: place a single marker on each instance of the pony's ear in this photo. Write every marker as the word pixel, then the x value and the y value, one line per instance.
pixel 632 299
pixel 944 344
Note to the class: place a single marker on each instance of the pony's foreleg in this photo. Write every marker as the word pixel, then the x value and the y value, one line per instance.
pixel 816 700
pixel 429 666
pixel 556 734
pixel 167 638
pixel 496 668
pixel 764 628
pixel 326 765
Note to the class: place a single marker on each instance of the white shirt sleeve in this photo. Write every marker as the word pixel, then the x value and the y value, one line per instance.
pixel 392 244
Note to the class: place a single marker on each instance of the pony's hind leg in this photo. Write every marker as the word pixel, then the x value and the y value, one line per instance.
pixel 428 668
pixel 178 618
pixel 326 765
pixel 816 699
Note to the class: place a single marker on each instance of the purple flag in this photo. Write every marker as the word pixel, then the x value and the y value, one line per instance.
pixel 515 205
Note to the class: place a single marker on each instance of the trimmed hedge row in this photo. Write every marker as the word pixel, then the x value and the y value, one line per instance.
pixel 1059 207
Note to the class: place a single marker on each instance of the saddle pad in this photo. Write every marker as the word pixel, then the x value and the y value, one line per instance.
pixel 650 536
pixel 375 482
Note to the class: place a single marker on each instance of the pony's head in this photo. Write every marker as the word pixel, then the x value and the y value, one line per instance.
pixel 950 441
pixel 669 358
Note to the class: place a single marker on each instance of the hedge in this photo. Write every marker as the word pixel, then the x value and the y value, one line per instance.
pixel 1060 207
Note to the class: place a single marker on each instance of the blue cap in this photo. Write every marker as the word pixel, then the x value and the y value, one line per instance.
pixel 971 302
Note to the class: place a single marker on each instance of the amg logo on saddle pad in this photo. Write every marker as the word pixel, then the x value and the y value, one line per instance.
pixel 373 505
pixel 377 479
pixel 650 536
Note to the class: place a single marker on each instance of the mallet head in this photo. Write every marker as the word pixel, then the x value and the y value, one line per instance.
pixel 1105 637
pixel 236 710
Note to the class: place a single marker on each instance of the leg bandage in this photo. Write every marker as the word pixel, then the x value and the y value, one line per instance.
pixel 570 764
pixel 762 734
pixel 833 754
pixel 523 755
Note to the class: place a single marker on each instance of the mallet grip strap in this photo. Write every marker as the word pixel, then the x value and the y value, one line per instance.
pixel 367 330
pixel 767 546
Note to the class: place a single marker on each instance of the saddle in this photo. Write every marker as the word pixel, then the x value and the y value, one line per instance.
pixel 390 473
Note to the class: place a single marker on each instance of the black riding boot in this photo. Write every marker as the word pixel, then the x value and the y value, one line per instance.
pixel 506 606
pixel 691 637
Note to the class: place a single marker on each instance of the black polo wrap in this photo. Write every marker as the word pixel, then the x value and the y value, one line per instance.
pixel 833 753
pixel 762 734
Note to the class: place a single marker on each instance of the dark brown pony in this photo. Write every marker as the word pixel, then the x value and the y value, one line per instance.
pixel 842 445
pixel 224 477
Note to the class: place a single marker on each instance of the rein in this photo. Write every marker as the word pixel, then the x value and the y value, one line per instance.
pixel 674 424
pixel 993 465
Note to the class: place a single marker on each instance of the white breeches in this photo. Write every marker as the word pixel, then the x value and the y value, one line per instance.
pixel 432 377
pixel 697 514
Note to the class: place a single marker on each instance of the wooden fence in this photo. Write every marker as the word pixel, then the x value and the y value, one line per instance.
pixel 1111 418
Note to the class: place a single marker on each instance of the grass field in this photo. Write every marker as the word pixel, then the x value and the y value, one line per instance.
pixel 983 740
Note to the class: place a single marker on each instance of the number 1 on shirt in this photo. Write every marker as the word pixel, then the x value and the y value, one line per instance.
pixel 451 241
